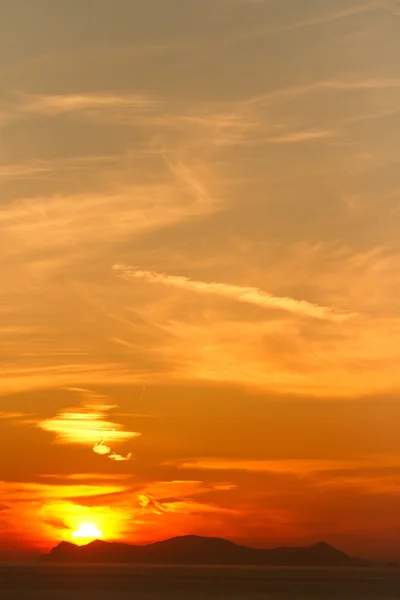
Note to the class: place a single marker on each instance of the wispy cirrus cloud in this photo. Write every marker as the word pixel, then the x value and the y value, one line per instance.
pixel 293 466
pixel 274 97
pixel 10 416
pixel 249 295
pixel 74 102
pixel 91 105
pixel 86 477
pixel 22 171
pixel 30 491
pixel 44 375
pixel 329 17
pixel 42 169
pixel 296 137
pixel 57 221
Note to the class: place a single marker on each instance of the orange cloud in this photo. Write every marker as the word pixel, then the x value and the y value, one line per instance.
pixel 249 295
pixel 31 492
pixel 89 426
pixel 58 104
pixel 10 416
pixel 289 466
pixel 149 503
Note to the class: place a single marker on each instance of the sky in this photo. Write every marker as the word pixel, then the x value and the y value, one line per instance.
pixel 199 317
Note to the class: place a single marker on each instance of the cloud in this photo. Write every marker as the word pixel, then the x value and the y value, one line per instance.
pixel 330 17
pixel 48 222
pixel 104 450
pixel 120 457
pixel 62 224
pixel 290 466
pixel 45 376
pixel 148 503
pixel 357 9
pixel 88 426
pixel 42 513
pixel 371 484
pixel 87 477
pixel 22 171
pixel 42 169
pixel 278 352
pixel 33 492
pixel 11 416
pixel 101 106
pixel 71 102
pixel 101 448
pixel 249 295
pixel 191 179
pixel 273 97
pixel 288 356
pixel 300 136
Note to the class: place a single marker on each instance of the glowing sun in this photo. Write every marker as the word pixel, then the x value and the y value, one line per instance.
pixel 87 531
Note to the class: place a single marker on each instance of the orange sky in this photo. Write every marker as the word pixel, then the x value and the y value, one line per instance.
pixel 199 320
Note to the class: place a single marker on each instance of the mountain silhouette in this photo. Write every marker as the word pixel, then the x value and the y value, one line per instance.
pixel 196 550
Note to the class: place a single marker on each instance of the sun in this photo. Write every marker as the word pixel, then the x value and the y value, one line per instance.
pixel 87 531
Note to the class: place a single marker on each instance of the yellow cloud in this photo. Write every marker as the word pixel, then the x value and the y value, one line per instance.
pixel 32 492
pixel 120 457
pixel 101 448
pixel 88 426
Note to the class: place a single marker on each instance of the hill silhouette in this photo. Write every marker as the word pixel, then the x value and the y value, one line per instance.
pixel 196 550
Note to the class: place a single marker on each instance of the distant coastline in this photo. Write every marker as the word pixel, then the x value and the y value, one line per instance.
pixel 207 551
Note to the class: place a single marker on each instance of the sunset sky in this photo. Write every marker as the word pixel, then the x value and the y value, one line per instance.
pixel 199 297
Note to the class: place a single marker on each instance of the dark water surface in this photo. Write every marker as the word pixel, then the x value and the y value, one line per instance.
pixel 115 582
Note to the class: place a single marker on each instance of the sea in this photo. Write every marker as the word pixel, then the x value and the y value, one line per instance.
pixel 122 582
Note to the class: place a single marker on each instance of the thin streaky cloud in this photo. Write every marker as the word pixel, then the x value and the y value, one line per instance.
pixel 86 476
pixel 25 106
pixel 10 416
pixel 54 104
pixel 249 295
pixel 30 491
pixel 358 9
pixel 39 168
pixel 321 85
pixel 21 171
pixel 285 466
pixel 16 379
pixel 300 136
pixel 45 223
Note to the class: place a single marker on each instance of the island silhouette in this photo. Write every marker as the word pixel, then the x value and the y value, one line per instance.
pixel 197 550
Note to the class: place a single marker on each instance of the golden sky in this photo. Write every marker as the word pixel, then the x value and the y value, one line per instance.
pixel 199 315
